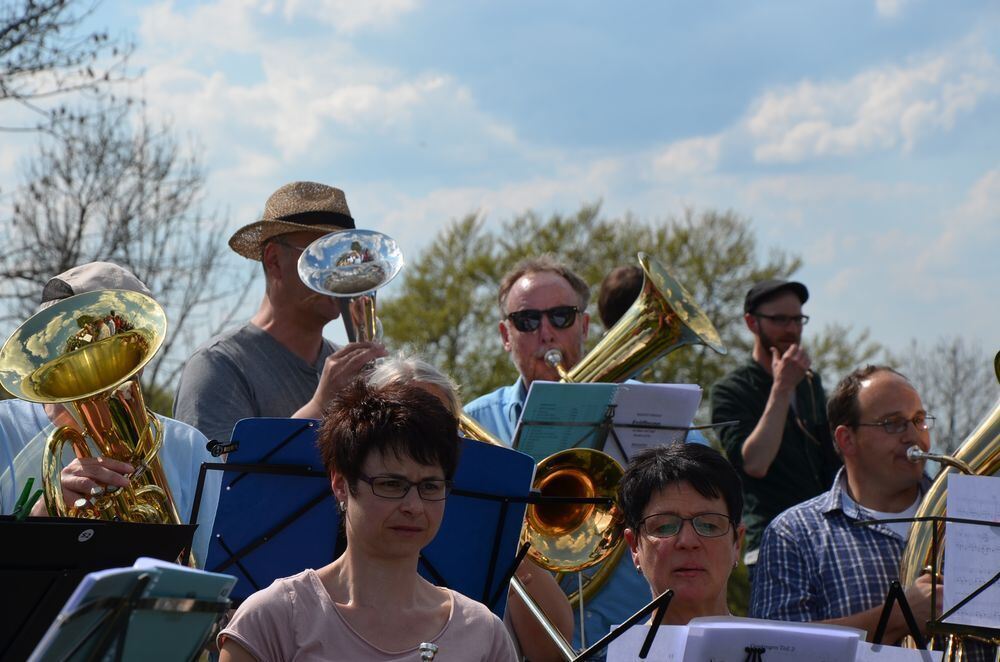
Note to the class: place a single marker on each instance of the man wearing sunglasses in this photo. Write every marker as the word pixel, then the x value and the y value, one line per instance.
pixel 816 563
pixel 542 307
pixel 780 443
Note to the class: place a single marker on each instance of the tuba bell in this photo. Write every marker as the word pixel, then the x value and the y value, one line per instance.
pixel 86 352
pixel 979 454
pixel 351 265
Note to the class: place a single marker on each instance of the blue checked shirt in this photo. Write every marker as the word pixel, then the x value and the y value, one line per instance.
pixel 816 564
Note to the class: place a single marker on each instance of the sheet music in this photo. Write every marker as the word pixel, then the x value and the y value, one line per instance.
pixel 972 553
pixel 725 639
pixel 668 644
pixel 555 402
pixel 868 652
pixel 663 405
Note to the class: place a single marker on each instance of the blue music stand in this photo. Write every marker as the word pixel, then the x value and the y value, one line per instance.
pixel 277 514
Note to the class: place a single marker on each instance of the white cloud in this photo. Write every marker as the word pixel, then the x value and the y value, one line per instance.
pixel 347 16
pixel 890 8
pixel 876 110
pixel 690 156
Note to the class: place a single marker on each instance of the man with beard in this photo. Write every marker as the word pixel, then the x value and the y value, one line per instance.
pixel 780 442
pixel 278 364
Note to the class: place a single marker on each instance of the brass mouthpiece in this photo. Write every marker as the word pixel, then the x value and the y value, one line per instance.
pixel 914 454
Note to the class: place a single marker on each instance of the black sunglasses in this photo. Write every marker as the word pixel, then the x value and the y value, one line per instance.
pixel 526 321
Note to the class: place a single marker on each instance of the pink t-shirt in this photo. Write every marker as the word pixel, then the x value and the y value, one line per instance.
pixel 295 619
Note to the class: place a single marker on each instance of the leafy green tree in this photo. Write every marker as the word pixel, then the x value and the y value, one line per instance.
pixel 447 308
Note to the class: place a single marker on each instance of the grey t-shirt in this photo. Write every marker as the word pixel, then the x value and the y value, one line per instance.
pixel 244 373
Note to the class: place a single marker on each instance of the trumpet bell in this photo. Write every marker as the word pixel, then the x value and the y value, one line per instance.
pixel 571 537
pixel 350 263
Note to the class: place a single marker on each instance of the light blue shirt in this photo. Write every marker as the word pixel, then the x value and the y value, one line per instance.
pixel 24 429
pixel 626 591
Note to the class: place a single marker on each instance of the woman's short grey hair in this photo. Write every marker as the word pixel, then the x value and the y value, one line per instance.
pixel 401 368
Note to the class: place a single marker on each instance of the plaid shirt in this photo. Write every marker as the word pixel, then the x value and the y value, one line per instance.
pixel 816 564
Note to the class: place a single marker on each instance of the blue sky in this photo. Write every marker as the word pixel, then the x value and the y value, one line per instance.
pixel 862 135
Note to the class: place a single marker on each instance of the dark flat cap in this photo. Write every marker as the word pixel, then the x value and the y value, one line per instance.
pixel 767 289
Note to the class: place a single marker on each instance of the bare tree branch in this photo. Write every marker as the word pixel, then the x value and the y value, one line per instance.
pixel 120 189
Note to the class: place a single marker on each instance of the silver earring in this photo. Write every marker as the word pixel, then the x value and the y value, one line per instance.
pixel 638 569
pixel 342 507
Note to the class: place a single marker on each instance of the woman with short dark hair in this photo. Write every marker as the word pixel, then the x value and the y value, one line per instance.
pixel 391 452
pixel 683 505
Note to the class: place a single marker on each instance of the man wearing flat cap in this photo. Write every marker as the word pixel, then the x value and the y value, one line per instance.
pixel 780 442
pixel 278 364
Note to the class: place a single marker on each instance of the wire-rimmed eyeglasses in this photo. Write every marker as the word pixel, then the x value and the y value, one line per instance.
pixel 668 525
pixel 895 425
pixel 785 320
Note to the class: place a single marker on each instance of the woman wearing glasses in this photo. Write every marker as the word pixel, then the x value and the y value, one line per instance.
pixel 391 452
pixel 682 506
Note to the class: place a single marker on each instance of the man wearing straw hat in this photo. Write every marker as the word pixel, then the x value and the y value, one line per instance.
pixel 278 364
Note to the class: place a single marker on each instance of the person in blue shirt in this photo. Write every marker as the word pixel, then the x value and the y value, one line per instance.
pixel 543 306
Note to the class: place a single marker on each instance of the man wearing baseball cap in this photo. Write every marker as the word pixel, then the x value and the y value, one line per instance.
pixel 26 426
pixel 780 442
pixel 278 364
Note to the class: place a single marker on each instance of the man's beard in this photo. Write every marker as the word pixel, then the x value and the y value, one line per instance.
pixel 768 342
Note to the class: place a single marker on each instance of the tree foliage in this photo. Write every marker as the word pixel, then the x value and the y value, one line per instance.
pixel 119 189
pixel 47 51
pixel 447 309
pixel 957 385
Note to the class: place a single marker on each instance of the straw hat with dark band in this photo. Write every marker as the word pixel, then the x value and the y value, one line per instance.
pixel 295 207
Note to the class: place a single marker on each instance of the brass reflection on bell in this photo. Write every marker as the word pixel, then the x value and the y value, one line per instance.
pixel 571 537
pixel 86 352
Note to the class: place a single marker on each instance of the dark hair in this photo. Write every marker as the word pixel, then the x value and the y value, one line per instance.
pixel 397 418
pixel 618 291
pixel 842 407
pixel 703 467
pixel 541 264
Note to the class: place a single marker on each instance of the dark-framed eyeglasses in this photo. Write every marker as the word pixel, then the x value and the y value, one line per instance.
pixel 526 321
pixel 668 525
pixel 785 320
pixel 898 424
pixel 396 487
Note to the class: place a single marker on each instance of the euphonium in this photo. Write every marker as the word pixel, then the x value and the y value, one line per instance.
pixel 351 265
pixel 978 454
pixel 85 353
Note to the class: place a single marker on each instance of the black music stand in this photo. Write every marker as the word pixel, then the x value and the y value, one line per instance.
pixel 150 613
pixel 42 559
pixel 659 603
pixel 935 626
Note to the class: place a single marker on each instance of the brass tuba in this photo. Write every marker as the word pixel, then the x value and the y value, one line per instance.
pixel 85 353
pixel 351 265
pixel 978 454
